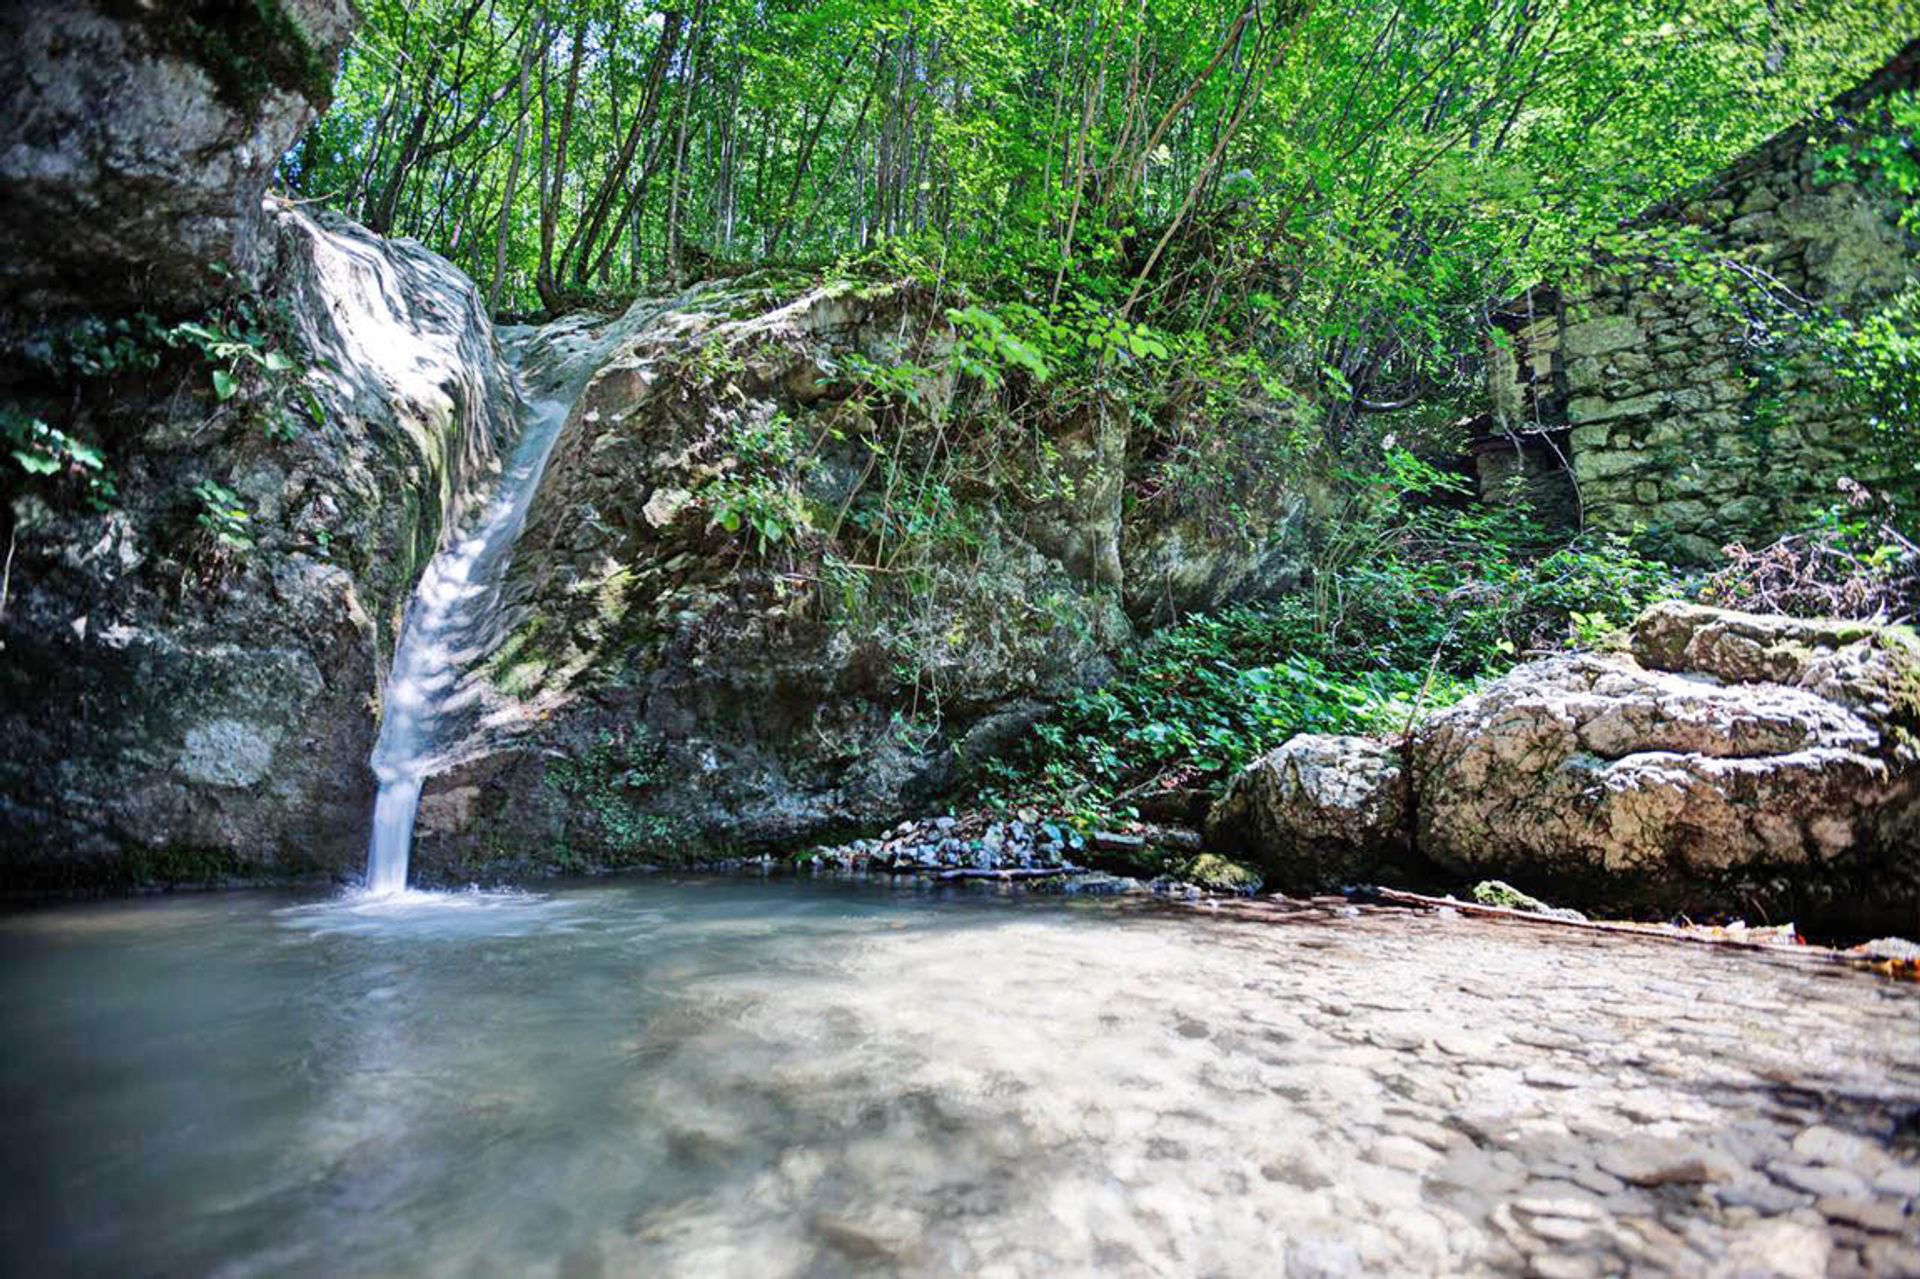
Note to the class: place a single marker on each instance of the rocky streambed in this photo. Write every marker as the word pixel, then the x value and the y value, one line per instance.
pixel 696 1077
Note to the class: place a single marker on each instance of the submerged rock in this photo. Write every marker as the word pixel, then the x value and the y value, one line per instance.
pixel 1495 892
pixel 1223 875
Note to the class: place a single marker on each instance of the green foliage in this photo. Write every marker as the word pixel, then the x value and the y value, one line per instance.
pixel 1428 599
pixel 759 493
pixel 245 349
pixel 223 517
pixel 1883 153
pixel 1335 189
pixel 987 345
pixel 610 781
pixel 1198 701
pixel 1877 360
pixel 96 347
pixel 50 455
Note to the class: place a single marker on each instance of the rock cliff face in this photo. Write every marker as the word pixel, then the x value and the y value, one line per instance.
pixel 172 712
pixel 675 689
pixel 136 141
pixel 680 675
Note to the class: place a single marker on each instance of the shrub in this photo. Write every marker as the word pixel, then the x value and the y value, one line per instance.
pixel 1854 566
pixel 1422 602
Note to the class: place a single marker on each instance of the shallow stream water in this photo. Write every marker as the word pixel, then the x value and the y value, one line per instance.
pixel 713 1077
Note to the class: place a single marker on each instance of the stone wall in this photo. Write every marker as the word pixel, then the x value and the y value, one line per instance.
pixel 1690 423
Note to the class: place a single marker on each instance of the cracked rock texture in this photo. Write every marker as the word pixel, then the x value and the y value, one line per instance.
pixel 1321 809
pixel 1725 762
pixel 144 200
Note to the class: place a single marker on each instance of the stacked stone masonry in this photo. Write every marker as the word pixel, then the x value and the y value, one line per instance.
pixel 1692 425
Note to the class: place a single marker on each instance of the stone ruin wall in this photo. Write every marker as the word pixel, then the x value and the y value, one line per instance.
pixel 1679 422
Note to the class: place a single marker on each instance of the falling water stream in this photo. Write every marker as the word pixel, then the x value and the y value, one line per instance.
pixel 452 621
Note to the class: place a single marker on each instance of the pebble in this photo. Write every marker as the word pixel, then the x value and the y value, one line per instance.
pixel 1403 1153
pixel 1881 1216
pixel 1579 1106
pixel 1558 1206
pixel 1826 1183
pixel 1658 1161
pixel 1759 1194
pixel 1822 1144
pixel 1782 1249
pixel 1902 1182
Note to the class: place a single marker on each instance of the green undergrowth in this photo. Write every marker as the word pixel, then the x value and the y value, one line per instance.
pixel 610 782
pixel 1446 599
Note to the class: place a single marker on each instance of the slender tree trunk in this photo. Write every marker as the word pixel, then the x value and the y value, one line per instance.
pixel 552 198
pixel 503 225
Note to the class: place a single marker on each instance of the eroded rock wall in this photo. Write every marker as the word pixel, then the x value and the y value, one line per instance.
pixel 675 688
pixel 137 138
pixel 174 713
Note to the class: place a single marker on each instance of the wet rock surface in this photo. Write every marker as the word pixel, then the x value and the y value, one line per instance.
pixel 1043 850
pixel 710 689
pixel 169 720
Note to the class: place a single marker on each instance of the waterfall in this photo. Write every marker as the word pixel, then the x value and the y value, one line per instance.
pixel 452 621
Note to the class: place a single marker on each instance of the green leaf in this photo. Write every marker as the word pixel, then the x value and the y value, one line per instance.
pixel 223 384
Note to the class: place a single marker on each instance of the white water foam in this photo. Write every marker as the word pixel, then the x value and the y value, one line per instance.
pixel 451 623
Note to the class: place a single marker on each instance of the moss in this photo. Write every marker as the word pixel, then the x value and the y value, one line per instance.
pixel 1495 892
pixel 147 868
pixel 1903 683
pixel 247 47
pixel 1210 870
pixel 608 784
pixel 173 866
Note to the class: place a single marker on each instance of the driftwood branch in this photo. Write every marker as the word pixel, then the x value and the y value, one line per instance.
pixel 1399 898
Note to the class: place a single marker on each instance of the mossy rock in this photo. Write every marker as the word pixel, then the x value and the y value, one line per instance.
pixel 247 47
pixel 1223 875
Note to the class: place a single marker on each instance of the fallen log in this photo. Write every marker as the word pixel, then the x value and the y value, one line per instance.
pixel 1657 932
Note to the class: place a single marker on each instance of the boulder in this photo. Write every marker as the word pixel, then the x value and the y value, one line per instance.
pixel 137 139
pixel 780 687
pixel 1317 812
pixel 1726 762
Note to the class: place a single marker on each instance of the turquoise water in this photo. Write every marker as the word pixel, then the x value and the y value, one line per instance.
pixel 248 1084
pixel 712 1077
